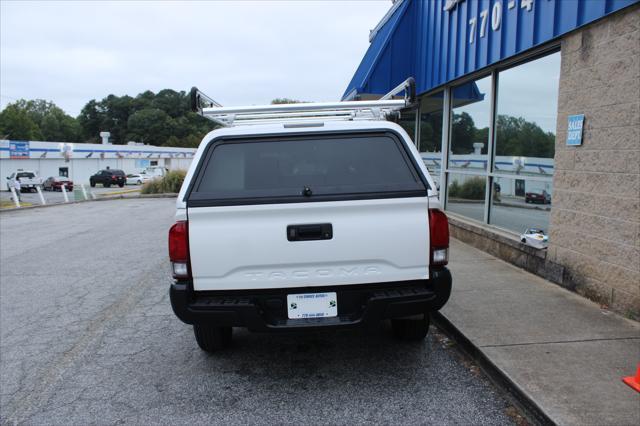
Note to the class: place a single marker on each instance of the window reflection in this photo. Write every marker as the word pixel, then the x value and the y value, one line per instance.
pixel 527 107
pixel 520 203
pixel 408 122
pixel 470 119
pixel 431 113
pixel 466 194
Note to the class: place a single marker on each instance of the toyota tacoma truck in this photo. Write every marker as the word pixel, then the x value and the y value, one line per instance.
pixel 308 225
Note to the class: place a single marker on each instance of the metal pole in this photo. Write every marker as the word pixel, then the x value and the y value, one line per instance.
pixel 64 192
pixel 444 146
pixel 84 191
pixel 15 197
pixel 42 201
pixel 488 196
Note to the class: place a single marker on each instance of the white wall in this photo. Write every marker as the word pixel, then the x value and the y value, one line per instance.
pixel 101 156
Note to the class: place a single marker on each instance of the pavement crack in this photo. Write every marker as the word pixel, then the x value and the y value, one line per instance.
pixel 559 342
pixel 96 328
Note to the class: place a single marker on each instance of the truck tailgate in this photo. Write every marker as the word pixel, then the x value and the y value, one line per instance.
pixel 248 246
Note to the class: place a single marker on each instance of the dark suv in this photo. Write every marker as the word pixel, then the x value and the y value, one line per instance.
pixel 108 177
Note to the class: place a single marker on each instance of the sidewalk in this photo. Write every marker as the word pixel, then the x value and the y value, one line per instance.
pixel 565 353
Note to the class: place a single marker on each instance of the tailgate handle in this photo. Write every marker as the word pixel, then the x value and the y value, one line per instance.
pixel 310 232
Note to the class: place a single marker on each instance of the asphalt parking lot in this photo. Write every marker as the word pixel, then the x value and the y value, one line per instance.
pixel 88 337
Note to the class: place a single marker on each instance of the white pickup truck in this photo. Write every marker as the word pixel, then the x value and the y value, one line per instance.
pixel 283 227
pixel 29 180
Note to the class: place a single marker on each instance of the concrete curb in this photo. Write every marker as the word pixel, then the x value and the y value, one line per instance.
pixel 101 198
pixel 531 410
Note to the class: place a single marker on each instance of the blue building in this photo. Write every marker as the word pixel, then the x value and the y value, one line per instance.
pixel 527 115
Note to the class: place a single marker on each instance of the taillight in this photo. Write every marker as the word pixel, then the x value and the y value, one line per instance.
pixel 114 177
pixel 439 237
pixel 179 250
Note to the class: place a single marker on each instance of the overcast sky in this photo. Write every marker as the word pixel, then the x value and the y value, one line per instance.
pixel 238 52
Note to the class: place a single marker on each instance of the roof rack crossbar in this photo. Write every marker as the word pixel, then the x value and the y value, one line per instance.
pixel 303 112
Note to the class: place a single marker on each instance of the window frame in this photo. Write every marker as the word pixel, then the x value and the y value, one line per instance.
pixel 193 199
pixel 490 174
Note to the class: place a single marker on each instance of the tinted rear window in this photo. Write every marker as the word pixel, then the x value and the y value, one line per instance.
pixel 26 175
pixel 327 166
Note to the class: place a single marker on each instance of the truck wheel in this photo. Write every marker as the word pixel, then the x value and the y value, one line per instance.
pixel 121 185
pixel 411 329
pixel 92 184
pixel 212 339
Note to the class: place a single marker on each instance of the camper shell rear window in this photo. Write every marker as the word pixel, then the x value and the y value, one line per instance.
pixel 305 169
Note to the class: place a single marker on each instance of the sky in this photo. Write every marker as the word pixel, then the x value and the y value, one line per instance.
pixel 529 90
pixel 237 52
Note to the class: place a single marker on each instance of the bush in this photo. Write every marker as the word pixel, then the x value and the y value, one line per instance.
pixel 471 189
pixel 169 183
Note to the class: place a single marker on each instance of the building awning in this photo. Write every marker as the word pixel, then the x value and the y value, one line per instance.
pixel 439 41
pixel 376 74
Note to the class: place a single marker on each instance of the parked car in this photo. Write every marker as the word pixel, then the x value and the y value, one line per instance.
pixel 137 178
pixel 108 177
pixel 295 228
pixel 54 183
pixel 29 180
pixel 537 197
pixel 535 237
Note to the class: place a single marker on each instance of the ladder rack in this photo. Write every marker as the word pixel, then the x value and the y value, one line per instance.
pixel 301 113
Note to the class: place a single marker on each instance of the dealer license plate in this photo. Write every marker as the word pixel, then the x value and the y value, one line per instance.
pixel 312 305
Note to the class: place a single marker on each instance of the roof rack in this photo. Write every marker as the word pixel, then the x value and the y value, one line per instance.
pixel 385 107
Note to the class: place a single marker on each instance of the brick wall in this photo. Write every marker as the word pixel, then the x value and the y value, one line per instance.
pixel 595 220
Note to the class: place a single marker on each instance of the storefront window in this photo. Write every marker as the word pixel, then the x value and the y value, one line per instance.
pixel 470 119
pixel 408 122
pixel 527 105
pixel 466 195
pixel 430 144
pixel 520 203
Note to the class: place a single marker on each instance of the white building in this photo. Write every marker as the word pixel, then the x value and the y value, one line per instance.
pixel 80 161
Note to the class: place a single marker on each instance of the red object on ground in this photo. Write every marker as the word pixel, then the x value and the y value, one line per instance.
pixel 633 381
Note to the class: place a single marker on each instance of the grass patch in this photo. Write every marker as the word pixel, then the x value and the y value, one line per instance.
pixel 11 205
pixel 170 183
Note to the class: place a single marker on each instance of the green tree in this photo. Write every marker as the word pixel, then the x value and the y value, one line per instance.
pixel 45 122
pixel 516 136
pixel 278 101
pixel 15 123
pixel 150 125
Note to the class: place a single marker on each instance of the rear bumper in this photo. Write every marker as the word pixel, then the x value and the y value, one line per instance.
pixel 266 310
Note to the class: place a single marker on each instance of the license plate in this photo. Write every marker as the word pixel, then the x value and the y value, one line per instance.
pixel 312 305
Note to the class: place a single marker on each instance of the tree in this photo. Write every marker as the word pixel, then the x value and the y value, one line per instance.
pixel 44 121
pixel 150 125
pixel 128 118
pixel 516 136
pixel 278 101
pixel 464 134
pixel 16 124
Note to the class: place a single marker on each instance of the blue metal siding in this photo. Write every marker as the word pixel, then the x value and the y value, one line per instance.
pixel 434 46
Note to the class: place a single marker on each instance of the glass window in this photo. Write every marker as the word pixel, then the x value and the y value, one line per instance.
pixel 470 119
pixel 408 122
pixel 466 194
pixel 285 168
pixel 527 107
pixel 430 144
pixel 518 204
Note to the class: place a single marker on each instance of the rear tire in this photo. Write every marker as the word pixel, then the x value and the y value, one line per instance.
pixel 121 185
pixel 92 184
pixel 411 329
pixel 211 339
